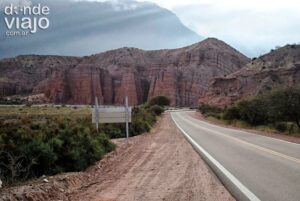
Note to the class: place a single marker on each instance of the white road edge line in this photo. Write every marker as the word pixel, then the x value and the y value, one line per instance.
pixel 251 196
pixel 242 131
pixel 270 151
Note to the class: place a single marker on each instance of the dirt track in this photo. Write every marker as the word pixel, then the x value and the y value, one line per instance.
pixel 157 166
pixel 160 165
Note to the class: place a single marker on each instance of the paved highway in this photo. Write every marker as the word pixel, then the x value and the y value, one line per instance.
pixel 252 166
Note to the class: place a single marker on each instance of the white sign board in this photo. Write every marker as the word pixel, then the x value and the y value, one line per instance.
pixel 111 115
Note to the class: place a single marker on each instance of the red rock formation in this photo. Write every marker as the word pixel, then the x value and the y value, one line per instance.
pixel 164 84
pixel 181 74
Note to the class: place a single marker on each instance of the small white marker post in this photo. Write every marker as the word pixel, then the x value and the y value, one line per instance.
pixel 126 117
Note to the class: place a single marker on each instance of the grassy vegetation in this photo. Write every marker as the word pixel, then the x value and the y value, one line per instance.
pixel 47 140
pixel 36 141
pixel 277 111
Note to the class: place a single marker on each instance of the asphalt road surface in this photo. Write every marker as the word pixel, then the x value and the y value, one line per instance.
pixel 261 168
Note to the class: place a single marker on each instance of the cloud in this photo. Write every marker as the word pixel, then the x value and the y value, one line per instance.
pixel 15 2
pixel 124 6
pixel 119 5
pixel 253 27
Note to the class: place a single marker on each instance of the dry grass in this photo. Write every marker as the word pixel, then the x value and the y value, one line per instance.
pixel 245 125
pixel 13 111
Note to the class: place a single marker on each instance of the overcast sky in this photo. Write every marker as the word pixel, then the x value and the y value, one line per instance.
pixel 252 26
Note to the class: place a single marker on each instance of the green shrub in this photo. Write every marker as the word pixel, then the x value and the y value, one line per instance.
pixel 142 120
pixel 33 144
pixel 214 115
pixel 286 105
pixel 30 149
pixel 280 126
pixel 157 110
pixel 160 101
pixel 254 111
pixel 113 130
pixel 205 109
pixel 274 108
pixel 231 113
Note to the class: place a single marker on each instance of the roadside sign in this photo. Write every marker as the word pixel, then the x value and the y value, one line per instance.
pixel 112 114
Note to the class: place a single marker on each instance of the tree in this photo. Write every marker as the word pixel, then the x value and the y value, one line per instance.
pixel 286 105
pixel 160 101
pixel 254 111
pixel 158 110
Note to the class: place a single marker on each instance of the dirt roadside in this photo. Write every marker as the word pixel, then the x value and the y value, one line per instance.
pixel 160 165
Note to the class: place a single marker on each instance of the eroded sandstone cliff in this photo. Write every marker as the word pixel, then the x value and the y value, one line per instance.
pixel 181 74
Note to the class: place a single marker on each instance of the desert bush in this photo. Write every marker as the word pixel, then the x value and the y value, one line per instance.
pixel 286 105
pixel 274 108
pixel 157 110
pixel 160 101
pixel 49 143
pixel 231 113
pixel 142 120
pixel 280 126
pixel 113 130
pixel 214 115
pixel 14 167
pixel 51 146
pixel 209 109
pixel 254 111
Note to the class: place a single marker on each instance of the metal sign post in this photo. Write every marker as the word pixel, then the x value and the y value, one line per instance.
pixel 97 114
pixel 126 116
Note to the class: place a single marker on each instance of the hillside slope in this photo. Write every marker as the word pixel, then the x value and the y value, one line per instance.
pixel 278 69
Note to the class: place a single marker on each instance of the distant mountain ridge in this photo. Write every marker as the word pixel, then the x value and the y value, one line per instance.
pixel 181 74
pixel 81 28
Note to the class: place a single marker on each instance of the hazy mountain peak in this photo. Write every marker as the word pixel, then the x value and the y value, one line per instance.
pixel 214 42
pixel 80 28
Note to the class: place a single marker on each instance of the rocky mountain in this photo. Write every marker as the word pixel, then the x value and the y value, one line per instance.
pixel 181 74
pixel 277 69
pixel 81 28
